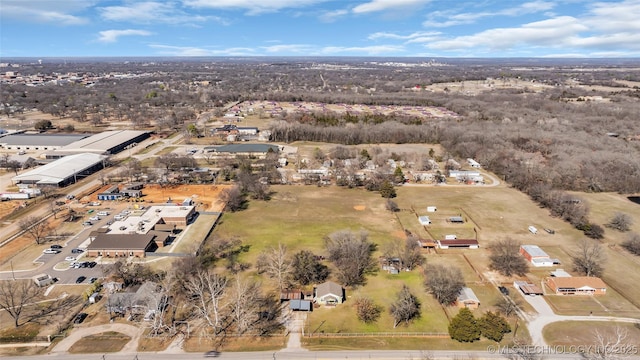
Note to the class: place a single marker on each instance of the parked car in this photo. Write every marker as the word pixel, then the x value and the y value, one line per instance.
pixel 51 251
pixel 550 231
pixel 94 218
pixel 80 279
pixel 92 264
pixel 77 251
pixel 87 223
pixel 70 258
pixel 79 318
pixel 503 290
pixel 56 246
pixel 92 280
pixel 95 203
pixel 103 213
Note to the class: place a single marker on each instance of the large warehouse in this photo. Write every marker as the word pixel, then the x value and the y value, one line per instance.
pixel 64 171
pixel 38 141
pixel 104 143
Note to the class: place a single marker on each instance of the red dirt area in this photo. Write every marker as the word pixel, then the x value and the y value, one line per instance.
pixel 207 197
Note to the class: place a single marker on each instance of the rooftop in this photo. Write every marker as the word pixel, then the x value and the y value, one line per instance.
pixel 57 171
pixel 577 282
pixel 328 287
pixel 534 251
pixel 41 139
pixel 121 242
pixel 240 148
pixel 467 294
pixel 102 142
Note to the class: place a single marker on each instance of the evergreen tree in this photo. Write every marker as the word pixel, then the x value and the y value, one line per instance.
pixel 464 327
pixel 387 190
pixel 493 326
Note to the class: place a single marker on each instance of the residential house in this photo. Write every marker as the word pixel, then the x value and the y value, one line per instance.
pixel 576 285
pixel 145 299
pixel 329 293
pixel 467 298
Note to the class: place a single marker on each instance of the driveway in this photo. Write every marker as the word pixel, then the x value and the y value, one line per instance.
pixel 78 333
pixel 546 316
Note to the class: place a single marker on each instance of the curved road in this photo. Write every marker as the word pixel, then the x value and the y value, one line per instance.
pixel 132 331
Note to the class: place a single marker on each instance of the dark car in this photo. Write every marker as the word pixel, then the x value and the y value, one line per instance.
pixel 550 231
pixel 80 279
pixel 84 264
pixel 503 290
pixel 76 251
pixel 92 280
pixel 212 353
pixel 92 264
pixel 79 318
pixel 56 246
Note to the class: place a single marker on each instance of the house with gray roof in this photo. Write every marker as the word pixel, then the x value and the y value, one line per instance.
pixel 467 298
pixel 329 293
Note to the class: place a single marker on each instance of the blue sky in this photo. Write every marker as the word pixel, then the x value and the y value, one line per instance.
pixel 412 28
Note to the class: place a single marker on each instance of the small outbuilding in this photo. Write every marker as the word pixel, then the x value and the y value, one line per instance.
pixel 458 243
pixel 300 305
pixel 424 220
pixel 536 256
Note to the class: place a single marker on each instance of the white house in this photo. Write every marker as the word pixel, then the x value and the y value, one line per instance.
pixel 329 293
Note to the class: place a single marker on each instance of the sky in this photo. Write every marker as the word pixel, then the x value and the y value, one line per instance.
pixel 375 28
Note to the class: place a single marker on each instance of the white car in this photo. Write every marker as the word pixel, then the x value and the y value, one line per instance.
pixel 51 251
pixel 70 259
pixel 94 218
pixel 103 213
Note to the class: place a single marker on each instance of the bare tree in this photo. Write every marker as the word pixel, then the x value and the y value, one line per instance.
pixel 367 310
pixel 209 291
pixel 274 261
pixel 233 198
pixel 611 344
pixel 351 253
pixel 405 308
pixel 589 258
pixel 16 295
pixel 242 304
pixel 408 252
pixel 620 222
pixel 391 206
pixel 506 259
pixel 444 282
pixel 507 306
pixel 36 227
pixel 632 244
pixel 307 268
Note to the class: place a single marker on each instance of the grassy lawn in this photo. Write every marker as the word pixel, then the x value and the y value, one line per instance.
pixel 100 343
pixel 382 288
pixel 610 304
pixel 166 150
pixel 273 343
pixel 300 217
pixel 583 332
pixel 393 343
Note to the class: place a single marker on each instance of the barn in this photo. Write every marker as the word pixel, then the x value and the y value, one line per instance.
pixel 459 243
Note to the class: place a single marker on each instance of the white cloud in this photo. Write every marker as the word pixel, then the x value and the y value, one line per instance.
pixel 149 12
pixel 253 7
pixel 451 18
pixel 57 12
pixel 198 51
pixel 369 50
pixel 415 35
pixel 109 36
pixel 605 28
pixel 288 49
pixel 386 5
pixel 331 16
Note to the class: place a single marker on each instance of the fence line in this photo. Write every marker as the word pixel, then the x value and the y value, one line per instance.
pixel 381 334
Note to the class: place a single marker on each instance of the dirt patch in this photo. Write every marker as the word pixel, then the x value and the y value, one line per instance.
pixel 206 197
pixel 360 207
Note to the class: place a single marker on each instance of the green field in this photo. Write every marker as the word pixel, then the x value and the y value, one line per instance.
pixel 301 216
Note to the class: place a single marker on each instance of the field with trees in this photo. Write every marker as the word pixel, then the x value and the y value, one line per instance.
pixel 560 137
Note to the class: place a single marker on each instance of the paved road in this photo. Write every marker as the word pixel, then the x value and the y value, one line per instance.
pixel 133 331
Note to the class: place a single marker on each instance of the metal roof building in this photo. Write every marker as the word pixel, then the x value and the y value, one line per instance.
pixel 63 171
pixel 38 141
pixel 107 142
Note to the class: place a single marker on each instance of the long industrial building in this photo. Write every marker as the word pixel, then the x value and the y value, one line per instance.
pixel 64 171
pixel 104 143
pixel 38 142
